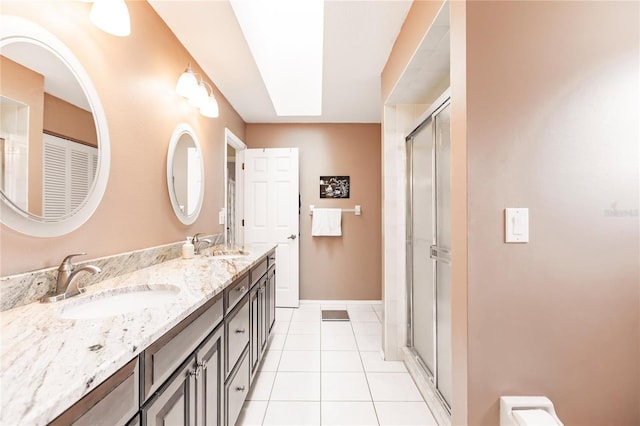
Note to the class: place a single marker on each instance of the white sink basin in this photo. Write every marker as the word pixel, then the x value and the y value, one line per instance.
pixel 119 301
pixel 229 254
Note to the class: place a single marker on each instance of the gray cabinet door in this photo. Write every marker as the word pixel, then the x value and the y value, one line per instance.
pixel 174 403
pixel 210 380
pixel 262 301
pixel 254 350
pixel 271 299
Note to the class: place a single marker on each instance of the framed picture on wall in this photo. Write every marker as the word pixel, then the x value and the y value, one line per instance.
pixel 334 186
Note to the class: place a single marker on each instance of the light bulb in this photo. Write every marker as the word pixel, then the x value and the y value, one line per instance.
pixel 187 83
pixel 199 96
pixel 210 107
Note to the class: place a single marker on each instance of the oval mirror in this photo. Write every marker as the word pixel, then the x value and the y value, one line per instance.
pixel 185 174
pixel 54 142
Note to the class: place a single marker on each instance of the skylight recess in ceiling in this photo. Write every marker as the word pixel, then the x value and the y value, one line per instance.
pixel 286 40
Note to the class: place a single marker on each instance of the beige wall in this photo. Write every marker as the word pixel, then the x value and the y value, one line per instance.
pixel 135 78
pixel 347 267
pixel 27 86
pixel 552 124
pixel 68 121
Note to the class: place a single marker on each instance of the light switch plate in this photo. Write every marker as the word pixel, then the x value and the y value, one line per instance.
pixel 222 217
pixel 516 225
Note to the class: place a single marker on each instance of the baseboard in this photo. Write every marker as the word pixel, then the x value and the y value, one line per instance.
pixel 340 302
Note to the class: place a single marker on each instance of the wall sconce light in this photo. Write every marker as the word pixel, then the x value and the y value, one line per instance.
pixel 200 94
pixel 111 16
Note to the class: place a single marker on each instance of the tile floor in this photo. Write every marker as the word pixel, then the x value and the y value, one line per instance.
pixel 331 373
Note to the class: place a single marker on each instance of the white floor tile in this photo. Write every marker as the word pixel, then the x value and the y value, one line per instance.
pixel 367 328
pixel 296 387
pixel 341 361
pixel 393 387
pixel 252 413
pixel 300 361
pixel 284 314
pixel 373 362
pixel 304 328
pixel 348 413
pixel 261 386
pixel 336 327
pixel 270 360
pixel 404 413
pixel 309 306
pixel 280 327
pixel 345 387
pixel 302 342
pixel 362 315
pixel 338 342
pixel 306 315
pixel 360 307
pixel 380 316
pixel 369 343
pixel 292 413
pixel 336 307
pixel 276 342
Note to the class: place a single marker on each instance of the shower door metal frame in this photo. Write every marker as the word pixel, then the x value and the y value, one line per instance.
pixel 441 103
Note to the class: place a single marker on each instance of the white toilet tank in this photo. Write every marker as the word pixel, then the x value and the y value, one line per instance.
pixel 527 411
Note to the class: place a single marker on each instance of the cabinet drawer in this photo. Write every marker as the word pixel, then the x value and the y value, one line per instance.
pixel 258 271
pixel 237 333
pixel 235 292
pixel 164 356
pixel 237 390
pixel 114 402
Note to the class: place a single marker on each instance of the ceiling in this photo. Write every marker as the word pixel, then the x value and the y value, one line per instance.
pixel 358 37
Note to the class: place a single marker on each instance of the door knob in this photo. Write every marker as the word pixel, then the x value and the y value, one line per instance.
pixel 291 237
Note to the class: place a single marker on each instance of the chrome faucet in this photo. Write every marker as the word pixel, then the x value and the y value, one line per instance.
pixel 67 284
pixel 199 242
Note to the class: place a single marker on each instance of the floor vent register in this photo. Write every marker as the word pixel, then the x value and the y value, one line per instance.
pixel 335 315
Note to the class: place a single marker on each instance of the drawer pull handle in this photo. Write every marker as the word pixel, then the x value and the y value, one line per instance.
pixel 202 365
pixel 242 289
pixel 241 331
pixel 240 388
pixel 195 373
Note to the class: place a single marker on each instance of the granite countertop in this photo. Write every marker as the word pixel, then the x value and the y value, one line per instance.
pixel 47 363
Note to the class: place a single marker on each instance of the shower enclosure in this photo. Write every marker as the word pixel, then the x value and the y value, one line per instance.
pixel 429 248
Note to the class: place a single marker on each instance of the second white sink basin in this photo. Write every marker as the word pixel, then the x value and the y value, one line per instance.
pixel 119 301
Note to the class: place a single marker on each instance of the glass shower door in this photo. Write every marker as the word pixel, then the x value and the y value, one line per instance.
pixel 420 240
pixel 442 249
pixel 429 247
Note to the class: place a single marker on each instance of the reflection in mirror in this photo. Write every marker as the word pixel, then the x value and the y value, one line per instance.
pixel 49 144
pixel 185 174
pixel 54 140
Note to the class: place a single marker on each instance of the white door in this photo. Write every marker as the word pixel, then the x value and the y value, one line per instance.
pixel 271 213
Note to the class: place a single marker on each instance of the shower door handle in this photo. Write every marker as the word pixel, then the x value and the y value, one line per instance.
pixel 440 254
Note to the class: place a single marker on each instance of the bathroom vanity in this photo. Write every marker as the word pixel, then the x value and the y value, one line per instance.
pixel 190 360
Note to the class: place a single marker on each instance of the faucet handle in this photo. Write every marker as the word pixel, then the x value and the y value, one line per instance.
pixel 66 263
pixel 195 237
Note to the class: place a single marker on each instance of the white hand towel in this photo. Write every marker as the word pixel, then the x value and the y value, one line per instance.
pixel 326 222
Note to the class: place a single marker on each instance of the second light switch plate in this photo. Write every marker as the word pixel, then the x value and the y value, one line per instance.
pixel 516 225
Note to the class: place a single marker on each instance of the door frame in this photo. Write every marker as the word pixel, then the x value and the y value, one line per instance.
pixel 238 144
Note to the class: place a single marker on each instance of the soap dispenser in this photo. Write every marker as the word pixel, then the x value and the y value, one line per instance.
pixel 187 249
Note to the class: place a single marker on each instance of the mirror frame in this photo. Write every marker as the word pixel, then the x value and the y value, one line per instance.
pixel 182 129
pixel 15 29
